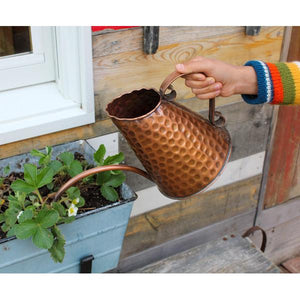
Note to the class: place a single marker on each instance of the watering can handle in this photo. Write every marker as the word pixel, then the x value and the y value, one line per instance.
pixel 212 113
pixel 96 170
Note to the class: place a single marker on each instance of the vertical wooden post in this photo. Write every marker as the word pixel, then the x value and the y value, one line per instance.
pixel 285 157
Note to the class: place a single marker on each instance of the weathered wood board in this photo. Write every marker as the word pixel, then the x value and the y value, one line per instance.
pixel 230 254
pixel 283 240
pixel 125 67
pixel 168 222
pixel 283 177
pixel 236 225
pixel 282 225
pixel 132 39
pixel 283 181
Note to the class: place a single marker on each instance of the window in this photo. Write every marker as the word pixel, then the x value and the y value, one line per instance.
pixel 46 81
pixel 26 56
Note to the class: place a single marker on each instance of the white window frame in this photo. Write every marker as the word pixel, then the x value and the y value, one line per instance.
pixel 33 67
pixel 65 103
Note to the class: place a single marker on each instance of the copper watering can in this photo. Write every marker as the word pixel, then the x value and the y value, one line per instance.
pixel 182 152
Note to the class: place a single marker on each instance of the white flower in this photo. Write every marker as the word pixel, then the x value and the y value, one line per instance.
pixel 72 211
pixel 75 201
pixel 19 214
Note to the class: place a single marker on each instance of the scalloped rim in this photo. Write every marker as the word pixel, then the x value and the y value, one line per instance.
pixel 137 118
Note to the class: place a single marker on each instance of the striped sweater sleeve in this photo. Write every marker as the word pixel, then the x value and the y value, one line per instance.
pixel 278 83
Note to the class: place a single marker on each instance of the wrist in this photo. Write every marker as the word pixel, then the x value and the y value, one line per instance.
pixel 246 81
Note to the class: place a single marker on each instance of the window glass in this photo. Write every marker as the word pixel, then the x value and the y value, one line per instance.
pixel 15 40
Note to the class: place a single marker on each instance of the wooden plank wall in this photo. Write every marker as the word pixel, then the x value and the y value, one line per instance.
pixel 283 182
pixel 198 211
pixel 120 66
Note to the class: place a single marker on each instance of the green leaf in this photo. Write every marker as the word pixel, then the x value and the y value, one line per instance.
pixel 44 161
pixel 11 232
pixel 99 155
pixel 115 159
pixel 36 204
pixel 88 179
pixel 18 200
pixel 55 165
pixel 22 186
pixel 14 202
pixel 26 215
pixel 30 174
pixel 45 158
pixel 32 198
pixel 48 150
pixel 116 180
pixel 50 186
pixel 116 172
pixel 73 192
pixel 42 238
pixel 6 170
pixel 2 218
pixel 66 158
pixel 37 153
pixel 75 168
pixel 81 202
pixel 11 215
pixel 26 229
pixel 109 193
pixel 44 177
pixel 5 227
pixel 68 220
pixel 47 218
pixel 31 207
pixel 59 208
pixel 103 177
pixel 57 250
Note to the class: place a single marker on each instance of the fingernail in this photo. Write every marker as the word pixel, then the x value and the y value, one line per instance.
pixel 218 86
pixel 211 81
pixel 180 67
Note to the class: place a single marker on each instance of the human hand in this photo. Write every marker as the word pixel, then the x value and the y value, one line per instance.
pixel 209 78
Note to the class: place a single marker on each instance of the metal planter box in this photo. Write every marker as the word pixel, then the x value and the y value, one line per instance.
pixel 99 232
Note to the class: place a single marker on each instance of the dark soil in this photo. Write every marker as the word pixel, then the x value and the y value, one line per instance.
pixel 89 191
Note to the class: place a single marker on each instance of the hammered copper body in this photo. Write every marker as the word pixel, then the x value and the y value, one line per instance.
pixel 182 151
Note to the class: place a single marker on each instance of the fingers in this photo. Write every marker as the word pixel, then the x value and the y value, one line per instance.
pixel 208 92
pixel 208 95
pixel 198 84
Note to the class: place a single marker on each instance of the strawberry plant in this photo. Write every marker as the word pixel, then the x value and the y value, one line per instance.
pixel 29 209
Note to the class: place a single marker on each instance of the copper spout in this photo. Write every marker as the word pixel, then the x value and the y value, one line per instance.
pixel 96 170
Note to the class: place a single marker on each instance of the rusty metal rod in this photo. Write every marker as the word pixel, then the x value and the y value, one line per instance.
pixel 96 170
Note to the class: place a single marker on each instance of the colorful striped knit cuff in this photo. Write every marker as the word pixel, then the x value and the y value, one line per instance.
pixel 286 82
pixel 264 84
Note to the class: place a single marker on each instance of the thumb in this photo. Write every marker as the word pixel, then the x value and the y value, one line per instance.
pixel 181 68
pixel 192 67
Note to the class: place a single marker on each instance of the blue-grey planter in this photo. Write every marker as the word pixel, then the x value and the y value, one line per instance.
pixel 99 233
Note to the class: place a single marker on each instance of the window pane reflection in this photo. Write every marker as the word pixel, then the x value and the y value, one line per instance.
pixel 14 40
